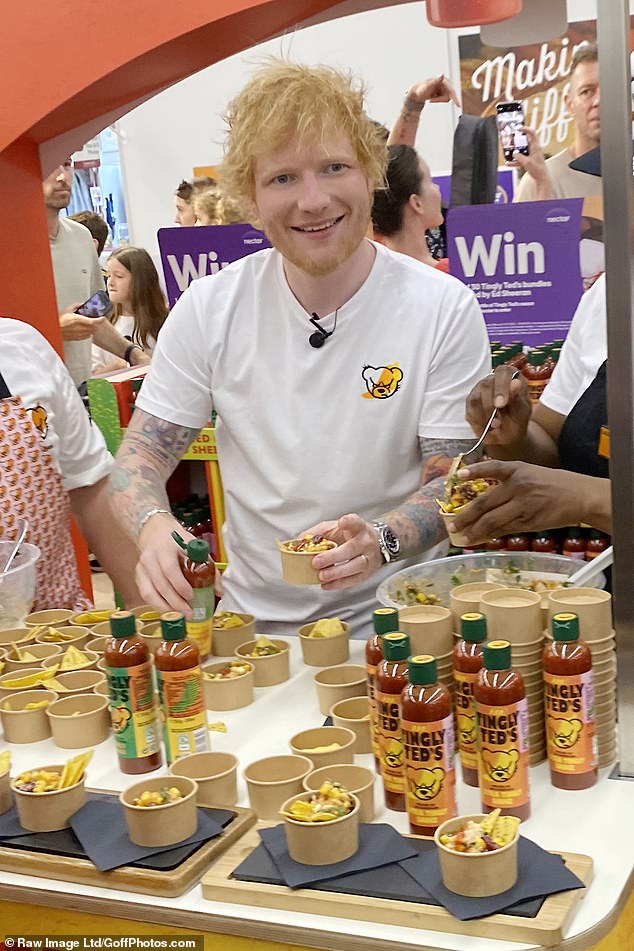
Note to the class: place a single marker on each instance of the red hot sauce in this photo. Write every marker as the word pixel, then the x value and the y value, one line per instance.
pixel 391 679
pixel 384 621
pixel 467 663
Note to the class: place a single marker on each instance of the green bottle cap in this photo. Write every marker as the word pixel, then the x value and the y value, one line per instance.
pixel 122 624
pixel 173 626
pixel 536 358
pixel 421 670
pixel 198 550
pixel 565 627
pixel 385 620
pixel 395 646
pixel 496 655
pixel 473 627
pixel 575 531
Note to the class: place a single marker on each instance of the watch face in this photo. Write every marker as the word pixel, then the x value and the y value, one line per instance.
pixel 391 541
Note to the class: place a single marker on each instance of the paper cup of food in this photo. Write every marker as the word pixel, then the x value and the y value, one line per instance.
pixel 97 644
pixel 272 780
pixel 325 745
pixel 356 779
pixel 74 659
pixel 229 630
pixel 29 679
pixel 20 658
pixel 6 794
pixel 52 616
pixel 269 658
pixel 46 797
pixel 458 494
pixel 339 683
pixel 23 716
pixel 152 635
pixel 103 628
pixel 160 811
pixel 228 685
pixel 78 721
pixel 17 635
pixel 78 681
pixel 322 827
pixel 146 613
pixel 90 618
pixel 297 555
pixel 64 635
pixel 354 714
pixel 215 773
pixel 325 642
pixel 478 853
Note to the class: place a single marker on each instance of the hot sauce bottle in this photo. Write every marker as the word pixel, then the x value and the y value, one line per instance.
pixel 200 571
pixel 384 621
pixel 467 663
pixel 132 704
pixel 569 694
pixel 502 724
pixel 537 373
pixel 574 545
pixel 429 747
pixel 597 542
pixel 180 687
pixel 390 680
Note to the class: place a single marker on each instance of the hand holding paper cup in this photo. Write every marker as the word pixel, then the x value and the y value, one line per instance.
pixel 297 555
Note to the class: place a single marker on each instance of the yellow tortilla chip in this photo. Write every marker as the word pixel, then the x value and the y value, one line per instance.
pixel 5 762
pixel 73 659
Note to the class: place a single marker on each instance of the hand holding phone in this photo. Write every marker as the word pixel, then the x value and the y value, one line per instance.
pixel 96 306
pixel 510 123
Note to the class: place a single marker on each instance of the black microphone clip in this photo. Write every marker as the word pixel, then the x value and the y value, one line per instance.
pixel 319 337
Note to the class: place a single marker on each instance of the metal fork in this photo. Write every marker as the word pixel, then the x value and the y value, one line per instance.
pixel 457 462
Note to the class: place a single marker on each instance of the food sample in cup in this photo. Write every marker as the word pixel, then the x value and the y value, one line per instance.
pixel 491 833
pixel 332 801
pixel 235 668
pixel 43 780
pixel 326 627
pixel 159 797
pixel 307 545
pixel 5 762
pixel 329 748
pixel 458 493
pixel 74 659
pixel 224 620
pixel 263 648
pixel 91 617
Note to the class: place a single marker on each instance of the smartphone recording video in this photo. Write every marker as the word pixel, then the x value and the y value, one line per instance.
pixel 96 306
pixel 510 122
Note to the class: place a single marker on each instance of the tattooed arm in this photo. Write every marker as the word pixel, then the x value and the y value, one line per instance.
pixel 147 457
pixel 416 522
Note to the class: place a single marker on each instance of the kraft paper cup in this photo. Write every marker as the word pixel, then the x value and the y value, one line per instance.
pixel 79 681
pixel 102 629
pixel 273 780
pixel 216 775
pixel 272 668
pixel 146 613
pixel 513 614
pixel 26 726
pixel 6 794
pixel 230 694
pixel 53 617
pixel 321 843
pixel 77 636
pixel 356 779
pixel 475 874
pixel 297 565
pixel 49 811
pixel 225 640
pixel 97 644
pixel 455 537
pixel 101 688
pixel 79 721
pixel 38 652
pixel 12 675
pixel 354 714
pixel 592 606
pixel 324 651
pixel 90 662
pixel 465 599
pixel 16 635
pixel 151 634
pixel 339 683
pixel 310 742
pixel 429 627
pixel 160 825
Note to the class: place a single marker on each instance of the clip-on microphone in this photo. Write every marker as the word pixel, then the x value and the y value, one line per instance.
pixel 318 338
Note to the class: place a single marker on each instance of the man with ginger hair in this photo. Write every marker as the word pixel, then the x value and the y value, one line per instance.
pixel 338 370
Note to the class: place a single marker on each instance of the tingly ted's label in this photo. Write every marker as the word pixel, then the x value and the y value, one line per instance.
pixel 133 711
pixel 390 742
pixel 430 795
pixel 503 754
pixel 466 718
pixel 200 625
pixel 371 672
pixel 570 730
pixel 183 711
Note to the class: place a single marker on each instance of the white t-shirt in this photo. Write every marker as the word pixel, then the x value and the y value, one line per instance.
pixel 125 325
pixel 33 371
pixel 584 350
pixel 77 277
pixel 300 438
pixel 566 182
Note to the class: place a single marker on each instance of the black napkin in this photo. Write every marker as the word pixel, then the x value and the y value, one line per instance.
pixel 10 827
pixel 101 829
pixel 539 874
pixel 379 844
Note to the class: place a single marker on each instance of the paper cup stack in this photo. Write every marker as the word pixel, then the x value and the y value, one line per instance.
pixel 514 614
pixel 593 607
pixel 430 631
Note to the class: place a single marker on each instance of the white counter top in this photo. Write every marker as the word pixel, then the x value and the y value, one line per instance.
pixel 595 821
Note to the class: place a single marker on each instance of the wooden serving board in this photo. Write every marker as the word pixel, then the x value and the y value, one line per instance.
pixel 545 929
pixel 162 882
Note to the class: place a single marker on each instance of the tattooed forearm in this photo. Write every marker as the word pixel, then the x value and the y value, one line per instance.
pixel 147 457
pixel 438 455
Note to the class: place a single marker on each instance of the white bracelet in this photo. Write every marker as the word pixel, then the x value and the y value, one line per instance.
pixel 148 516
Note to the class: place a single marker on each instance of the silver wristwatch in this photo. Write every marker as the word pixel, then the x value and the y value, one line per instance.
pixel 388 542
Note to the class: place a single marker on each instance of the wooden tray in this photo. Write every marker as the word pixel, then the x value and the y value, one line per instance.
pixel 162 882
pixel 545 929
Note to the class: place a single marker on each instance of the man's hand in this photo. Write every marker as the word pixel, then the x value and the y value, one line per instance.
pixel 159 574
pixel 437 89
pixel 356 556
pixel 534 164
pixel 510 397
pixel 76 327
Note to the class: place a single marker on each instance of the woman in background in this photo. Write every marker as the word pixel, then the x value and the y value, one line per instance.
pixel 183 199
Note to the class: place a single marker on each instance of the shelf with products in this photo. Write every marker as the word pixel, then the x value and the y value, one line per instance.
pixel 111 399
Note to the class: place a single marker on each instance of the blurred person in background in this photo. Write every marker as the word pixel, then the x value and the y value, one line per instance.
pixel 97 226
pixel 183 199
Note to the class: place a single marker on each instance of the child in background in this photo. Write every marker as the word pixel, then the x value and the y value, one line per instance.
pixel 140 308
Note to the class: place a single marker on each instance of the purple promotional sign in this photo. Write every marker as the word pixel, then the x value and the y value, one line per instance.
pixel 188 253
pixel 503 192
pixel 522 263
